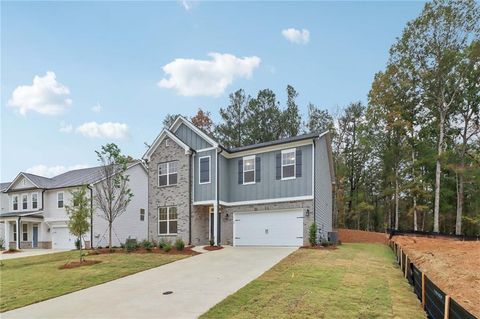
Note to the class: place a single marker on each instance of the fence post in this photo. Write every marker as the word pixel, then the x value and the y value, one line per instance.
pixel 423 290
pixel 406 263
pixel 401 259
pixel 447 307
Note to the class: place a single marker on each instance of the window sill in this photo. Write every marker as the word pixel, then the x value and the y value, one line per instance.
pixel 250 183
pixel 288 178
pixel 204 183
pixel 166 186
pixel 171 234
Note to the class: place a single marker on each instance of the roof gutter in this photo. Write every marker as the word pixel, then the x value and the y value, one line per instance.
pixel 217 179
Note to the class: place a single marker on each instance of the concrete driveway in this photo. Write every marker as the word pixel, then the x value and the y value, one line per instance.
pixel 197 283
pixel 30 253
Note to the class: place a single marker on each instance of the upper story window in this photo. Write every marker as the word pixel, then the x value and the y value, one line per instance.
pixel 288 163
pixel 204 171
pixel 24 201
pixel 142 214
pixel 15 202
pixel 34 201
pixel 167 173
pixel 167 220
pixel 249 169
pixel 60 200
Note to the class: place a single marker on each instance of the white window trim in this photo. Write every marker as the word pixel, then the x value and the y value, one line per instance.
pixel 31 200
pixel 24 232
pixel 246 158
pixel 63 199
pixel 21 197
pixel 168 173
pixel 290 150
pixel 142 210
pixel 168 233
pixel 209 169
pixel 18 204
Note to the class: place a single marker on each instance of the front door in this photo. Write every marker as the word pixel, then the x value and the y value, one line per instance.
pixel 35 237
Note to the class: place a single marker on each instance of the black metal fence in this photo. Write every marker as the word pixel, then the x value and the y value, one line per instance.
pixel 436 303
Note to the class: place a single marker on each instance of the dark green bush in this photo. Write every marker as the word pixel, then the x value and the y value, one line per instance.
pixel 147 245
pixel 167 247
pixel 179 244
pixel 131 244
pixel 78 242
pixel 312 237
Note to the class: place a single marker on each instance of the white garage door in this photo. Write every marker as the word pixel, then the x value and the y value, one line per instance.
pixel 268 228
pixel 62 239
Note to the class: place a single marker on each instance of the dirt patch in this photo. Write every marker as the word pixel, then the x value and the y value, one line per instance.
pixel 452 265
pixel 186 251
pixel 11 251
pixel 360 236
pixel 76 264
pixel 320 247
pixel 212 248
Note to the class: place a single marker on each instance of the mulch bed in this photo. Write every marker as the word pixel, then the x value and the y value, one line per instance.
pixel 360 236
pixel 76 264
pixel 212 248
pixel 11 251
pixel 186 251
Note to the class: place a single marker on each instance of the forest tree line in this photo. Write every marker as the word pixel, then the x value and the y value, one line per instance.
pixel 410 158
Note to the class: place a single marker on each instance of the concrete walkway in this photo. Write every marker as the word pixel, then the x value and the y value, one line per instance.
pixel 29 253
pixel 197 284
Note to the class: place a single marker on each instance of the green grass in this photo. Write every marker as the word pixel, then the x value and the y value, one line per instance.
pixel 354 281
pixel 24 281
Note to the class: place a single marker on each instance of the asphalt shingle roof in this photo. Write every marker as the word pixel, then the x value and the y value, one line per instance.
pixel 276 142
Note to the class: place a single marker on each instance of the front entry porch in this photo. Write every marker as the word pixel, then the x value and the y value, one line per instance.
pixel 24 232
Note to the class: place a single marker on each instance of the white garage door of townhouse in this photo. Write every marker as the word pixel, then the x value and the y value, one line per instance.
pixel 268 228
pixel 62 239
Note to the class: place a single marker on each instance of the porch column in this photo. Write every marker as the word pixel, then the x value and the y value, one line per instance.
pixel 215 223
pixel 7 235
pixel 17 224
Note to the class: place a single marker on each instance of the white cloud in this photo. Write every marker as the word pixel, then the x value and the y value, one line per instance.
pixel 45 96
pixel 65 128
pixel 296 36
pixel 108 130
pixel 49 171
pixel 186 4
pixel 96 108
pixel 190 77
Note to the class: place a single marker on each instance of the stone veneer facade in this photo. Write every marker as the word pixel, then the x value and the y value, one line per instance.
pixel 175 195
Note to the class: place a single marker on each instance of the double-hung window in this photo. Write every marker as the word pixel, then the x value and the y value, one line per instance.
pixel 204 171
pixel 288 163
pixel 34 201
pixel 15 202
pixel 14 233
pixel 142 214
pixel 167 173
pixel 167 220
pixel 25 232
pixel 249 169
pixel 24 201
pixel 60 200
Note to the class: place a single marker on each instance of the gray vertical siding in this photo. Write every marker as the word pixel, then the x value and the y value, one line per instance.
pixel 204 192
pixel 192 139
pixel 223 166
pixel 323 189
pixel 268 187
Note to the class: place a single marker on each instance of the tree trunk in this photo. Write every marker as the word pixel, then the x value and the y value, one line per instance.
pixel 81 255
pixel 415 226
pixel 438 171
pixel 460 199
pixel 396 199
pixel 110 235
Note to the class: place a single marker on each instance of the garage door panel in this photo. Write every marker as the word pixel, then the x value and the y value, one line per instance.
pixel 272 228
pixel 62 238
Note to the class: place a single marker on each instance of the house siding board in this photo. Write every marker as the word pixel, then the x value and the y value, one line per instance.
pixel 192 139
pixel 224 194
pixel 323 189
pixel 177 195
pixel 269 187
pixel 203 192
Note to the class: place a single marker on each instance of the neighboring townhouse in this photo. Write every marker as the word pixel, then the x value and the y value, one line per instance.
pixel 262 194
pixel 34 216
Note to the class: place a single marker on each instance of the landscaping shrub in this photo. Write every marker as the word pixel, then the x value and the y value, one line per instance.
pixel 78 242
pixel 179 244
pixel 131 244
pixel 212 242
pixel 167 247
pixel 312 237
pixel 2 243
pixel 161 243
pixel 147 245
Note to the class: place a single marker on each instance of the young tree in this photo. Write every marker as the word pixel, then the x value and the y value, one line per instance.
pixel 79 212
pixel 292 121
pixel 112 194
pixel 427 48
pixel 203 121
pixel 232 132
pixel 318 120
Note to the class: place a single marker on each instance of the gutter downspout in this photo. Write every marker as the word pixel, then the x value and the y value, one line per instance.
pixel 314 180
pixel 217 179
pixel 18 231
pixel 91 215
pixel 190 189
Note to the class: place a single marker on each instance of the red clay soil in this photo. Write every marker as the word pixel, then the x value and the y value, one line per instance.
pixel 452 265
pixel 212 248
pixel 360 236
pixel 186 251
pixel 76 264
pixel 11 251
pixel 320 247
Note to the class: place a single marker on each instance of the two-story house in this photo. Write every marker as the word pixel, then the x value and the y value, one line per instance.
pixel 262 194
pixel 34 216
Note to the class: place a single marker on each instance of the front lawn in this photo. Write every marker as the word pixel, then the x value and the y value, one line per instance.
pixel 354 281
pixel 28 280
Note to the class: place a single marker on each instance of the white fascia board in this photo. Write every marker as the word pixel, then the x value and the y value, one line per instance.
pixel 164 133
pixel 266 149
pixel 17 177
pixel 181 120
pixel 267 201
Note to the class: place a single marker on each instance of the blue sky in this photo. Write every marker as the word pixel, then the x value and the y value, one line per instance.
pixel 113 55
